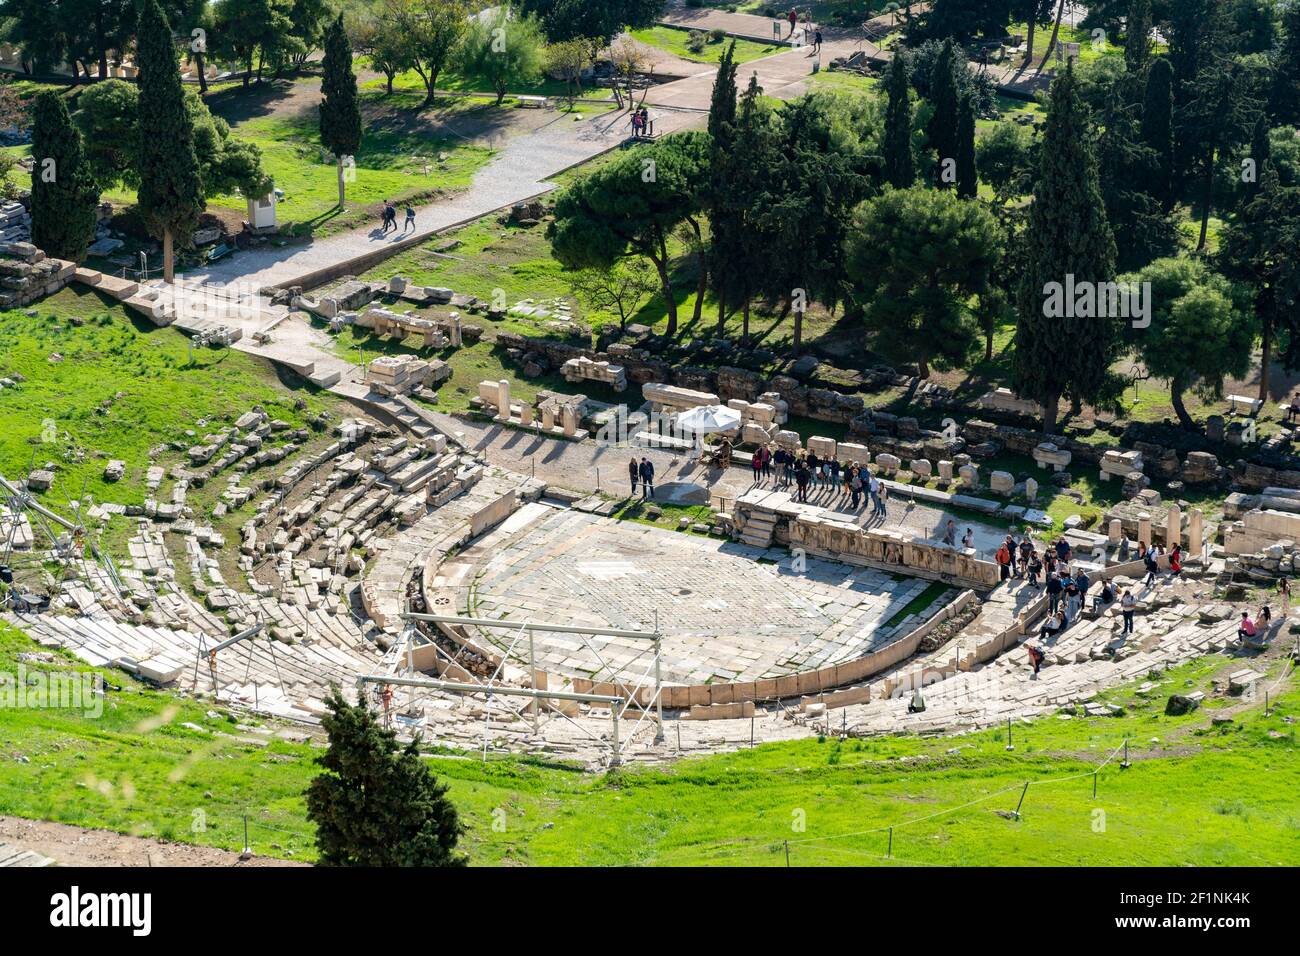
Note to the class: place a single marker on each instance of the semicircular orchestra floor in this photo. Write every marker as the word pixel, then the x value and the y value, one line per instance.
pixel 728 611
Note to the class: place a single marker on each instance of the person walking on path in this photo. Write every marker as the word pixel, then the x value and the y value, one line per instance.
pixel 1284 589
pixel 968 539
pixel 1036 655
pixel 756 464
pixel 817 42
pixel 410 219
pixel 390 216
pixel 1003 558
pixel 1033 568
pixel 801 481
pixel 634 473
pixel 950 534
pixel 1127 605
pixel 793 17
pixel 647 479
pixel 855 489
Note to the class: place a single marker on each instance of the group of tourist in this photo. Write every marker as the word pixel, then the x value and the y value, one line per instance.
pixel 640 123
pixel 389 216
pixel 642 473
pixel 807 470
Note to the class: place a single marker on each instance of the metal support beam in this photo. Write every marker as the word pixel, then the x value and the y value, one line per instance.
pixel 514 625
pixel 241 636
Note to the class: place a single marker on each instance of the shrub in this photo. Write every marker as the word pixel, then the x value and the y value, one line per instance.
pixel 717 36
pixel 695 42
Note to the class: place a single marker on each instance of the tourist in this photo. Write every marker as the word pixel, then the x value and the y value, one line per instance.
pixel 817 41
pixel 1035 568
pixel 814 468
pixel 756 463
pixel 1036 654
pixel 882 499
pixel 1073 600
pixel 1026 549
pixel 1003 558
pixel 390 215
pixel 968 539
pixel 647 478
pixel 1293 409
pixel 1084 582
pixel 1127 605
pixel 1054 624
pixel 1176 561
pixel 1284 589
pixel 1265 618
pixel 767 462
pixel 793 17
pixel 950 534
pixel 855 489
pixel 634 473
pixel 1247 627
pixel 1062 550
pixel 1149 559
pixel 830 476
pixel 1104 599
pixel 873 490
pixel 410 218
pixel 801 477
pixel 1054 589
pixel 1010 545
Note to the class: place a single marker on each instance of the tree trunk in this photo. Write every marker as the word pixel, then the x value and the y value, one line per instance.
pixel 744 325
pixel 1050 410
pixel 1266 353
pixel 390 83
pixel 201 67
pixel 666 290
pixel 798 331
pixel 988 346
pixel 722 313
pixel 1176 399
pixel 342 186
pixel 1056 29
pixel 1206 199
pixel 1029 42
pixel 922 367
pixel 169 267
pixel 701 286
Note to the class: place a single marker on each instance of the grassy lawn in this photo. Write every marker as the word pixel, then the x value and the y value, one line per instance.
pixel 122 388
pixel 156 765
pixel 673 40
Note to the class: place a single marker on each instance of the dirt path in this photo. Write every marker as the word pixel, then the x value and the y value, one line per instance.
pixel 77 846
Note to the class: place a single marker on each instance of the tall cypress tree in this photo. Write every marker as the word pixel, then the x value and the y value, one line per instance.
pixel 1158 130
pixel 64 192
pixel 967 180
pixel 1284 93
pixel 1067 236
pixel 941 131
pixel 900 164
pixel 1124 165
pixel 723 215
pixel 1137 42
pixel 340 117
pixel 170 198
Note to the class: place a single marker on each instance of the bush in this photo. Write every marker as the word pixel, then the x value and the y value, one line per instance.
pixel 717 36
pixel 695 42
pixel 695 4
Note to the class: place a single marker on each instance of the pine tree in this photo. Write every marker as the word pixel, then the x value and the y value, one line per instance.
pixel 1158 130
pixel 1068 235
pixel 722 107
pixel 64 192
pixel 900 164
pixel 1284 94
pixel 170 198
pixel 1137 43
pixel 340 117
pixel 941 131
pixel 967 180
pixel 376 804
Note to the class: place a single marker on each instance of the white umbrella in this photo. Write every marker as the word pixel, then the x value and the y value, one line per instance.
pixel 708 419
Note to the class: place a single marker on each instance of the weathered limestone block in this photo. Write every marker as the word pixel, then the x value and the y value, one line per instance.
pixel 1001 482
pixel 889 464
pixel 945 469
pixel 970 476
pixel 920 466
pixel 822 447
pixel 1048 455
